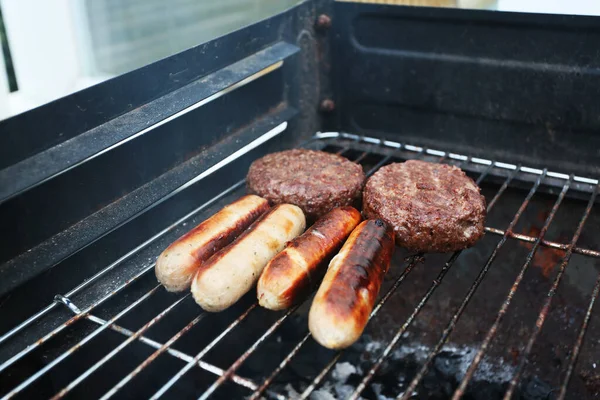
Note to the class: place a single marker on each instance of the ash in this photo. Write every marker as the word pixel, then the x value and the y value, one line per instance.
pixel 445 373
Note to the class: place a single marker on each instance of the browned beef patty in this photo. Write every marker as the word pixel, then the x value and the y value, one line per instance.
pixel 315 181
pixel 432 207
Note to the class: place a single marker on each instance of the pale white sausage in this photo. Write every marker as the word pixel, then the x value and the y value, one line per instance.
pixel 234 270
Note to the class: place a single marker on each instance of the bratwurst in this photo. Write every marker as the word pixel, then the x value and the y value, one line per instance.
pixel 178 263
pixel 341 308
pixel 291 274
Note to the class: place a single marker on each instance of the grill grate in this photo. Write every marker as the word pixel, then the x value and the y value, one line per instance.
pixel 364 150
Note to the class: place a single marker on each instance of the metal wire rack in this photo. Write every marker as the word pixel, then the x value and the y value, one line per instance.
pixel 378 152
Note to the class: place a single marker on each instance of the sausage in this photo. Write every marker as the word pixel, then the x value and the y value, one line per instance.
pixel 341 308
pixel 232 272
pixel 291 274
pixel 178 263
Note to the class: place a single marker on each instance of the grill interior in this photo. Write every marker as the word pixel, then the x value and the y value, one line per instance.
pixel 506 317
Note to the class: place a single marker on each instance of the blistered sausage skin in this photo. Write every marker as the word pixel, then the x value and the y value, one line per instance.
pixel 178 263
pixel 291 274
pixel 232 272
pixel 341 308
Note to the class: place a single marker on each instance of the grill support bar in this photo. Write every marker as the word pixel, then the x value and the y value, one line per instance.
pixel 117 349
pixel 203 352
pixel 176 353
pixel 247 354
pixel 545 243
pixel 88 338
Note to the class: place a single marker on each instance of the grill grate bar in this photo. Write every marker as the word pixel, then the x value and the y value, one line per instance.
pixel 117 349
pixel 545 243
pixel 152 357
pixel 203 352
pixel 319 378
pixel 247 353
pixel 475 160
pixel 256 394
pixel 479 279
pixel 74 319
pixel 548 300
pixel 579 341
pixel 175 353
pixel 67 353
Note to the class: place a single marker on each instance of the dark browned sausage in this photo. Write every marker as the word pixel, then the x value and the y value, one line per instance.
pixel 177 265
pixel 341 308
pixel 291 274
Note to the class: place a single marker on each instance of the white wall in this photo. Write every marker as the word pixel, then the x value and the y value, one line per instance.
pixel 580 7
pixel 42 38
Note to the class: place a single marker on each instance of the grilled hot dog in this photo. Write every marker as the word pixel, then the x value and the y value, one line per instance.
pixel 177 265
pixel 232 272
pixel 291 273
pixel 341 307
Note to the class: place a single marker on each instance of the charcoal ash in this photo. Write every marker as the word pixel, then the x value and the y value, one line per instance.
pixel 446 371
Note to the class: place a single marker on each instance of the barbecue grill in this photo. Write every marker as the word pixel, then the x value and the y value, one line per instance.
pixel 95 185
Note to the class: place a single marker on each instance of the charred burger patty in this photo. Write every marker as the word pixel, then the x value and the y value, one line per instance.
pixel 432 207
pixel 315 181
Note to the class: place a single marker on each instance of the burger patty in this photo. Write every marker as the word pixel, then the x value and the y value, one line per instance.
pixel 432 207
pixel 315 181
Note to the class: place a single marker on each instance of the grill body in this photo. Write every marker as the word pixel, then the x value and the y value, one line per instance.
pixel 95 185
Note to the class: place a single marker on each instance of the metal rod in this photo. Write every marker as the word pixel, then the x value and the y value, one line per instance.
pixel 256 394
pixel 319 378
pixel 152 357
pixel 74 319
pixel 176 353
pixel 500 191
pixel 202 353
pixel 117 349
pixel 67 353
pixel 546 243
pixel 579 341
pixel 247 353
pixel 361 157
pixel 421 374
pixel 382 162
pixel 548 300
